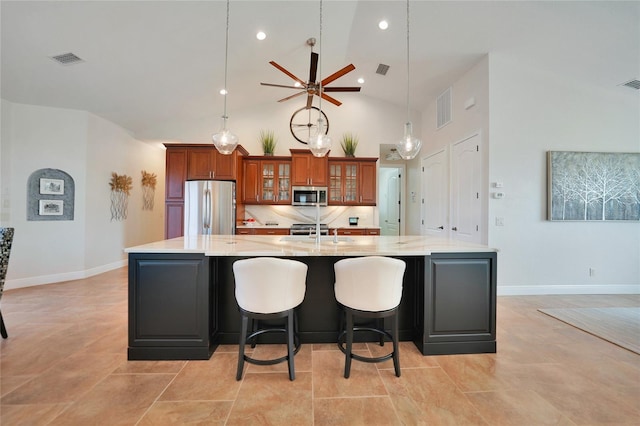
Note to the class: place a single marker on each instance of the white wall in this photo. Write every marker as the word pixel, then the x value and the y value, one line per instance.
pixel 88 148
pixel 532 113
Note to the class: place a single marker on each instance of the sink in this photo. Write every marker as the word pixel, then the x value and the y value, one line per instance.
pixel 312 239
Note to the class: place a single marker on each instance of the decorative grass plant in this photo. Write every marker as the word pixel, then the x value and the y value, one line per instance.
pixel 268 140
pixel 349 144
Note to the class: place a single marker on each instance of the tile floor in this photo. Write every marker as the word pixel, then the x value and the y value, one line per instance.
pixel 65 364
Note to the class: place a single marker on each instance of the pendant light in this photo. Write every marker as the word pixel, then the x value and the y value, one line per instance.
pixel 225 141
pixel 320 143
pixel 409 146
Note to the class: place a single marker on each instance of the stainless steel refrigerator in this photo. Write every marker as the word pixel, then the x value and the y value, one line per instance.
pixel 209 207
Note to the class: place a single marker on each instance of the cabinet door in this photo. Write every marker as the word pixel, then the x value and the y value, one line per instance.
pixel 309 170
pixel 272 231
pixel 200 163
pixel 347 231
pixel 367 184
pixel 250 181
pixel 225 166
pixel 373 231
pixel 283 182
pixel 176 174
pixel 174 220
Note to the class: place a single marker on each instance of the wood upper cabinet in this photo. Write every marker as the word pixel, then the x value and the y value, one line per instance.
pixel 193 162
pixel 207 163
pixel 307 169
pixel 266 180
pixel 352 181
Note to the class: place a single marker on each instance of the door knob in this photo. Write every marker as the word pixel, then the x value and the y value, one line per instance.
pixel 454 229
pixel 440 227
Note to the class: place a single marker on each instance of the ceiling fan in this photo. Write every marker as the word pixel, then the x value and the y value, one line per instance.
pixel 312 87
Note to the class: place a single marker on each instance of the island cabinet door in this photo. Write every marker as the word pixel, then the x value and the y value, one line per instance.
pixel 460 303
pixel 169 307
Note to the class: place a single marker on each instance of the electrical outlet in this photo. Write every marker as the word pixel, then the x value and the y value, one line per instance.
pixel 499 221
pixel 592 272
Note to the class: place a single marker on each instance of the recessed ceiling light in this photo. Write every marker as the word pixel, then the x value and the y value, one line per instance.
pixel 223 91
pixel 361 80
pixel 383 25
pixel 261 35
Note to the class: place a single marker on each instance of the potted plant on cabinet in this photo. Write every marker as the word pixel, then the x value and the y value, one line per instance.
pixel 349 144
pixel 268 140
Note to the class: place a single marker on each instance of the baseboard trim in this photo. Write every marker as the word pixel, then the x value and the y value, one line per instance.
pixel 539 290
pixel 67 276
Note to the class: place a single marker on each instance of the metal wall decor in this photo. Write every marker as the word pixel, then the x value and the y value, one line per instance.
pixel 148 190
pixel 593 186
pixel 120 190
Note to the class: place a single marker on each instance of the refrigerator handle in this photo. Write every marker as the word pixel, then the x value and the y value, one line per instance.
pixel 207 207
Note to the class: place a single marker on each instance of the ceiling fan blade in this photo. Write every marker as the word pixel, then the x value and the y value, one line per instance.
pixel 330 99
pixel 292 96
pixel 309 100
pixel 338 74
pixel 280 85
pixel 287 72
pixel 313 68
pixel 341 89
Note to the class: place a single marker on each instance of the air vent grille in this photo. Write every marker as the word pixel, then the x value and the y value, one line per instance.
pixel 443 107
pixel 67 59
pixel 382 69
pixel 634 84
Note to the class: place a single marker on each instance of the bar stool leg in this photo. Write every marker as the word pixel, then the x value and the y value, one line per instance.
pixel 3 330
pixel 243 338
pixel 396 357
pixel 349 346
pixel 290 345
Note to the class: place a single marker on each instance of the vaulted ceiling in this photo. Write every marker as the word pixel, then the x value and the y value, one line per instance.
pixel 147 62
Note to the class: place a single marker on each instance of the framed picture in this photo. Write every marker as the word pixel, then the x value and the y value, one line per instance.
pixel 51 207
pixel 593 186
pixel 51 186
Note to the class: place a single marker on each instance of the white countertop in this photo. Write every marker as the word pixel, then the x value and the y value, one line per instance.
pixel 280 245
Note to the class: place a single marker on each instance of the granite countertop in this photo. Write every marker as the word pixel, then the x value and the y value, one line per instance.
pixel 289 245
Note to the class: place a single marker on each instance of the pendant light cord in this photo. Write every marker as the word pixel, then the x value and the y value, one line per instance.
pixel 408 75
pixel 320 72
pixel 226 55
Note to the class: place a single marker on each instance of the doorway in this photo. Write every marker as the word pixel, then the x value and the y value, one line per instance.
pixel 390 209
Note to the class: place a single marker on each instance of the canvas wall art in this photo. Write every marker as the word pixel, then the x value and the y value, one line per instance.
pixel 593 186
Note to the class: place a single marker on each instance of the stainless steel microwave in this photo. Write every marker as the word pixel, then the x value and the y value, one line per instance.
pixel 309 195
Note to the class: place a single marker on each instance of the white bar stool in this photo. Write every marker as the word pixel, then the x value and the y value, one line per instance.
pixel 369 287
pixel 269 288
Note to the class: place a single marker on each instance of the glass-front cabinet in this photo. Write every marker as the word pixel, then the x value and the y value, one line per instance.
pixel 276 182
pixel 352 182
pixel 267 180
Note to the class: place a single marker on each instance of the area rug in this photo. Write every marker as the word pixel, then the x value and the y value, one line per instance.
pixel 620 326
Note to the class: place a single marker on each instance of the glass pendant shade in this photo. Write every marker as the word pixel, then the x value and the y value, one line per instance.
pixel 409 146
pixel 320 143
pixel 225 141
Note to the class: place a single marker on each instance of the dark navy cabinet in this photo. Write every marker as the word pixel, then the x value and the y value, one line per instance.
pixel 169 306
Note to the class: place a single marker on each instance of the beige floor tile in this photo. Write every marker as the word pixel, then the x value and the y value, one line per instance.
pixel 194 413
pixel 30 414
pixel 213 380
pixel 516 408
pixel 141 367
pixel 483 372
pixel 271 398
pixel 355 411
pixel 429 396
pixel 119 399
pixel 329 381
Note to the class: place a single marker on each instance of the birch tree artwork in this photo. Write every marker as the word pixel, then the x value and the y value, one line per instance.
pixel 594 186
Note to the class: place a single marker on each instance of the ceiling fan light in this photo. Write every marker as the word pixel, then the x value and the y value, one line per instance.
pixel 409 146
pixel 225 141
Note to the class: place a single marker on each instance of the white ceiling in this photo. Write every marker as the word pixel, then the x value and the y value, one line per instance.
pixel 150 62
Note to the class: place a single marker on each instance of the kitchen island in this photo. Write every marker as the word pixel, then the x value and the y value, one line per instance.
pixel 182 303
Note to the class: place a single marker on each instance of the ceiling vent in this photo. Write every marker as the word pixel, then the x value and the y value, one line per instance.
pixel 634 84
pixel 392 155
pixel 382 69
pixel 443 108
pixel 67 59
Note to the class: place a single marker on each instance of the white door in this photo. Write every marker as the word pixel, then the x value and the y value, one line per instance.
pixel 466 207
pixel 390 200
pixel 435 194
